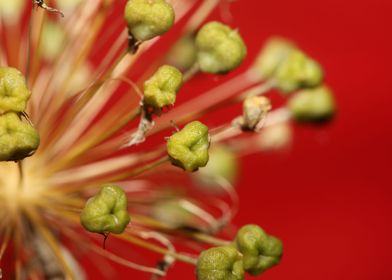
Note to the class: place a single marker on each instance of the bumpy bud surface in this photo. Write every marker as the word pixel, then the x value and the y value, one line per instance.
pixel 255 109
pixel 222 163
pixel 220 263
pixel 106 212
pixel 161 89
pixel 312 104
pixel 220 48
pixel 297 71
pixel 260 251
pixel 147 19
pixel 274 52
pixel 188 148
pixel 18 140
pixel 14 93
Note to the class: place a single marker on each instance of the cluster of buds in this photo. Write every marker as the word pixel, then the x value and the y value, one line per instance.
pixel 18 138
pixel 253 251
pixel 290 70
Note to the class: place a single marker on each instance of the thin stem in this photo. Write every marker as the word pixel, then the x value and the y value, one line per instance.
pixel 158 249
pixel 20 169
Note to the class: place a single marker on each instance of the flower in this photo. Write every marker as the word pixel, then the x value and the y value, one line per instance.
pixel 74 157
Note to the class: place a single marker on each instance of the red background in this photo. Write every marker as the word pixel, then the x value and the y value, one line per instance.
pixel 328 198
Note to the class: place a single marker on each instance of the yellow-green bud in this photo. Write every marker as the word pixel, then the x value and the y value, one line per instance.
pixel 161 89
pixel 255 108
pixel 315 104
pixel 11 11
pixel 147 19
pixel 274 52
pixel 52 40
pixel 260 251
pixel 220 263
pixel 222 163
pixel 14 93
pixel 18 140
pixel 183 54
pixel 297 71
pixel 188 148
pixel 220 48
pixel 107 212
pixel 172 213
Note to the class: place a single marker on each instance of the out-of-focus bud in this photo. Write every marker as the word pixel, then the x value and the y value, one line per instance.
pixel 312 105
pixel 11 11
pixel 14 93
pixel 68 5
pixel 171 212
pixel 275 137
pixel 260 251
pixel 183 54
pixel 220 48
pixel 220 263
pixel 161 89
pixel 107 212
pixel 147 19
pixel 297 71
pixel 255 109
pixel 188 148
pixel 18 140
pixel 223 163
pixel 52 40
pixel 274 52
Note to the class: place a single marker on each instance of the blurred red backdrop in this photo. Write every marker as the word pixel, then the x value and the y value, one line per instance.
pixel 328 197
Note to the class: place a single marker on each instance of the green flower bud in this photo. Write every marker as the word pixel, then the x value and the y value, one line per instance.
pixel 52 40
pixel 147 19
pixel 297 71
pixel 172 213
pixel 14 93
pixel 220 263
pixel 18 140
pixel 255 108
pixel 188 148
pixel 222 163
pixel 11 11
pixel 183 54
pixel 161 89
pixel 315 104
pixel 260 251
pixel 107 212
pixel 220 48
pixel 275 51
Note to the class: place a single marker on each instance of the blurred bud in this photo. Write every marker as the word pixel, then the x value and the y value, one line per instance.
pixel 297 71
pixel 274 52
pixel 275 137
pixel 222 163
pixel 220 48
pixel 161 89
pixel 18 140
pixel 14 93
pixel 11 11
pixel 183 54
pixel 68 5
pixel 107 212
pixel 52 40
pixel 188 148
pixel 147 19
pixel 311 105
pixel 260 251
pixel 172 213
pixel 255 108
pixel 220 263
